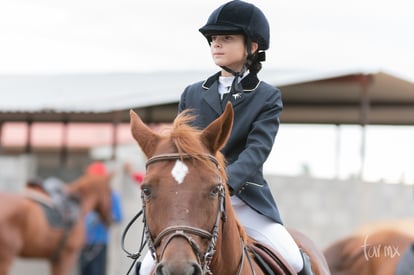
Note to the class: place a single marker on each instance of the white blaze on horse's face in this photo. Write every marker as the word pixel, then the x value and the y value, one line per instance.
pixel 179 171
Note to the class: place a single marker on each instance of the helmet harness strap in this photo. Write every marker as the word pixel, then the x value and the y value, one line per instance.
pixel 236 86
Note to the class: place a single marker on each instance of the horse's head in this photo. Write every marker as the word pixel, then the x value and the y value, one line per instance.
pixel 104 202
pixel 100 178
pixel 183 191
pixel 94 192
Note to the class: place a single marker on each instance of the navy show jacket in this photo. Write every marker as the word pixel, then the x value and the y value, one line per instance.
pixel 255 126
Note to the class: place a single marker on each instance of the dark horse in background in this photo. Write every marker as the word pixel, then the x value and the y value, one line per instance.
pixel 26 232
pixel 190 224
pixel 383 248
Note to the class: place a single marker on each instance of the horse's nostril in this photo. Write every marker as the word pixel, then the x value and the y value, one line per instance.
pixel 160 270
pixel 197 269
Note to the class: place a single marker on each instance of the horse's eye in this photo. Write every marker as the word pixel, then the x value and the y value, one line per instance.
pixel 146 192
pixel 215 190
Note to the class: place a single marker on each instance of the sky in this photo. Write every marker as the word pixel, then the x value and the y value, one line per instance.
pixel 59 36
pixel 83 36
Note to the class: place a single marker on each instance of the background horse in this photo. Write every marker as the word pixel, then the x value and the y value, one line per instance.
pixel 374 249
pixel 190 225
pixel 25 231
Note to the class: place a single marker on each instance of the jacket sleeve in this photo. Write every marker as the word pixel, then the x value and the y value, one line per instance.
pixel 259 144
pixel 182 104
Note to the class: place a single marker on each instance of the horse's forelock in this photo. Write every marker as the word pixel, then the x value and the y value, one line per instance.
pixel 186 140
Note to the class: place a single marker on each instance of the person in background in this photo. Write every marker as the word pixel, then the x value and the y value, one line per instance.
pixel 93 257
pixel 136 176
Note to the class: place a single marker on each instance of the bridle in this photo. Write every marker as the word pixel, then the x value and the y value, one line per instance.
pixel 185 231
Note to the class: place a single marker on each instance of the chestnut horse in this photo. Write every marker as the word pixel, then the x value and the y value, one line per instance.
pixel 190 225
pixel 25 231
pixel 375 249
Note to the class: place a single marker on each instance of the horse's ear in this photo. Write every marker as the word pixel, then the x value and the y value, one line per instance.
pixel 216 134
pixel 145 137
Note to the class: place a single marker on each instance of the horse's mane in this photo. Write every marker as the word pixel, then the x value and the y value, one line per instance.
pixel 186 140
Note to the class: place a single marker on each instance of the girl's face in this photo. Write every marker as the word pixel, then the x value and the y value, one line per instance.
pixel 229 50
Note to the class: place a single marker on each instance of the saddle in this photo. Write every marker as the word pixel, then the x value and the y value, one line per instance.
pixel 269 260
pixel 62 210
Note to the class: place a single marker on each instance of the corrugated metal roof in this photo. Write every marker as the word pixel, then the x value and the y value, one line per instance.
pixel 111 92
pixel 96 97
pixel 309 97
pixel 90 92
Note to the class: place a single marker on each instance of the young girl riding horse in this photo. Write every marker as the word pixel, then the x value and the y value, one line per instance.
pixel 238 35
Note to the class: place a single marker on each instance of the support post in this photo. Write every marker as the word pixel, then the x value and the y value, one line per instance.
pixel 365 82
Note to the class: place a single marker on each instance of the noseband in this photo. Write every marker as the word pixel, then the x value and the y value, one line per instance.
pixel 185 231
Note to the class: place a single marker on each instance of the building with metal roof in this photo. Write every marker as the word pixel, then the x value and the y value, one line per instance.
pixel 345 97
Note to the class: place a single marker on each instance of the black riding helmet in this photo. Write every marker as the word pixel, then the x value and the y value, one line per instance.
pixel 239 17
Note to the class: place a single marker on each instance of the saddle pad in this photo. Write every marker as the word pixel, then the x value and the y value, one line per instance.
pixel 52 214
pixel 62 213
pixel 270 261
pixel 53 217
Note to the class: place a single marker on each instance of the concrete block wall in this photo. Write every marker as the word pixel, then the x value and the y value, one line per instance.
pixel 327 210
pixel 14 172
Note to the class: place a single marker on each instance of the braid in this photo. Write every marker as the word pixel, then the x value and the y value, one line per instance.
pixel 254 60
pixel 254 63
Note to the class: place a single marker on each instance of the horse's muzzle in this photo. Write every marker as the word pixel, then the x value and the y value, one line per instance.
pixel 183 268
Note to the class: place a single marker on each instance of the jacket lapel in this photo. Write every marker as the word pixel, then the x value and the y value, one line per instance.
pixel 249 84
pixel 211 96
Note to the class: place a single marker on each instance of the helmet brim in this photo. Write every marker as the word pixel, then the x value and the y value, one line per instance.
pixel 213 29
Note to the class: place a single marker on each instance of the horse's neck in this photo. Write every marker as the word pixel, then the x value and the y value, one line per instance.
pixel 230 246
